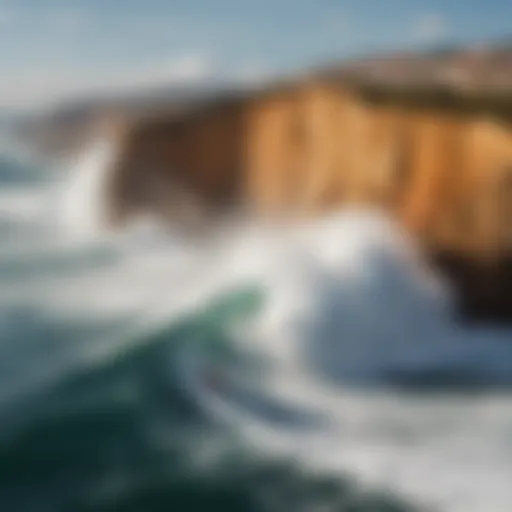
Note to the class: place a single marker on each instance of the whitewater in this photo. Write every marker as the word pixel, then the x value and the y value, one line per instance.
pixel 348 364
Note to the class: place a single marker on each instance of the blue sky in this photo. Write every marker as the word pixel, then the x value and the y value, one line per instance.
pixel 54 49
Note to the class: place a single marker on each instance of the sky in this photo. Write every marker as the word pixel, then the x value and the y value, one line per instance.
pixel 51 50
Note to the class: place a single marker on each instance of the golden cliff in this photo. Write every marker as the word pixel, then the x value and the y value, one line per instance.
pixel 440 162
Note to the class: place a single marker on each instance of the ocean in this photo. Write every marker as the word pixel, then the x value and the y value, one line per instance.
pixel 301 366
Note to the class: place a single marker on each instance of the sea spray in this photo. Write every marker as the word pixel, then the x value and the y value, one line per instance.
pixel 84 202
pixel 352 323
pixel 351 326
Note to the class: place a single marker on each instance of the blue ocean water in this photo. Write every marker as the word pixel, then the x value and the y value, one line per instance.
pixel 312 367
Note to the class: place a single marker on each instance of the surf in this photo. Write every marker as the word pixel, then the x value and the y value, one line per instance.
pixel 327 342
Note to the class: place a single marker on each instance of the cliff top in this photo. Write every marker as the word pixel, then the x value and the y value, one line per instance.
pixel 465 80
pixel 477 78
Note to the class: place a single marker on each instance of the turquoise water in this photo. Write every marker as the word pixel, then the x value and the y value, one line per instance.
pixel 116 432
pixel 121 435
pixel 140 374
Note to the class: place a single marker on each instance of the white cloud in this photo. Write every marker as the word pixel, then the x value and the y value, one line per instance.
pixel 190 68
pixel 42 85
pixel 430 28
pixel 253 75
pixel 49 84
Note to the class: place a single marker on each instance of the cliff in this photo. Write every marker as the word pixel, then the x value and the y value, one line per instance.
pixel 64 129
pixel 428 138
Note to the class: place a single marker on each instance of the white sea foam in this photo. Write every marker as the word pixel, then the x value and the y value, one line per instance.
pixel 82 206
pixel 349 303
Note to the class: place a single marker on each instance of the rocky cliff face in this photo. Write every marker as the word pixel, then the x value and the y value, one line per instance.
pixel 445 174
pixel 439 159
pixel 180 166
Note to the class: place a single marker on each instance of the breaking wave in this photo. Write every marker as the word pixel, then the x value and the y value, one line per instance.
pixel 327 345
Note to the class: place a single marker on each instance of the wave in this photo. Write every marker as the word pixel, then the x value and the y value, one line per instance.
pixel 83 206
pixel 324 368
pixel 352 325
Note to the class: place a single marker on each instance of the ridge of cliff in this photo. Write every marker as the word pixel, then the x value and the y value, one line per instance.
pixel 425 137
